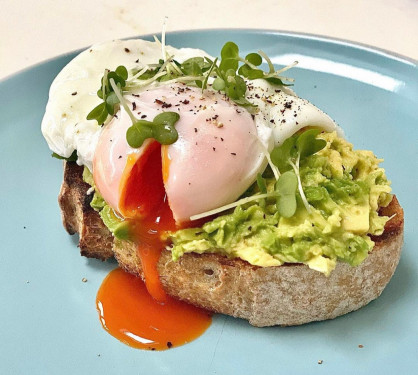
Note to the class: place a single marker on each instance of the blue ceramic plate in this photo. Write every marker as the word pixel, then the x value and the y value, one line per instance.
pixel 48 319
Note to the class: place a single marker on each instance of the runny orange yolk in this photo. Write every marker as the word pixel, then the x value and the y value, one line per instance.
pixel 143 316
pixel 129 313
pixel 144 203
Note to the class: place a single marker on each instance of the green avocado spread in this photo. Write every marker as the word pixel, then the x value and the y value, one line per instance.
pixel 344 189
pixel 115 224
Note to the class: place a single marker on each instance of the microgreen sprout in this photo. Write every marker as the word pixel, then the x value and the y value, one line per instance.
pixel 161 128
pixel 288 155
pixel 261 182
pixel 227 75
pixel 106 92
pixel 230 76
pixel 286 187
pixel 286 159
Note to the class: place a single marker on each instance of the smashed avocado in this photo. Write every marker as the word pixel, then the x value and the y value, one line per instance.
pixel 344 188
pixel 116 225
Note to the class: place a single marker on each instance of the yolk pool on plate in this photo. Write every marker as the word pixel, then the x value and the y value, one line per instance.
pixel 129 313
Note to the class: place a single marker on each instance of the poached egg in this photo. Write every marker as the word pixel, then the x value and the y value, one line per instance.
pixel 220 149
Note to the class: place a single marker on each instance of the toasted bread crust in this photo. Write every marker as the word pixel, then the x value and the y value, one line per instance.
pixel 291 294
pixel 78 217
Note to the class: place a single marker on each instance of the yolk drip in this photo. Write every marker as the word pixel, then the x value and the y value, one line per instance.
pixel 142 315
pixel 141 188
pixel 144 202
pixel 130 314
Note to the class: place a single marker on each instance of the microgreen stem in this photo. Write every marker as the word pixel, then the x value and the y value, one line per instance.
pixel 391 217
pixel 270 64
pixel 275 170
pixel 176 68
pixel 122 100
pixel 104 83
pixel 290 66
pixel 205 81
pixel 252 66
pixel 302 193
pixel 272 75
pixel 167 62
pixel 140 73
pixel 233 205
pixel 147 81
pixel 163 38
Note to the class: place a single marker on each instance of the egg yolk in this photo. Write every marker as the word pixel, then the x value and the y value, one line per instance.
pixel 144 203
pixel 129 313
pixel 142 315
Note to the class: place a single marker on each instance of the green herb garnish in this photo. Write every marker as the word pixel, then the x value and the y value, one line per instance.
pixel 229 76
pixel 107 93
pixel 286 187
pixel 72 157
pixel 261 182
pixel 288 155
pixel 161 128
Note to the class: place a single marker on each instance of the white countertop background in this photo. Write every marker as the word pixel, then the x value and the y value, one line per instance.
pixel 32 31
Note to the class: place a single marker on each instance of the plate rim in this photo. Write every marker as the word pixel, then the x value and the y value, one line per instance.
pixel 277 32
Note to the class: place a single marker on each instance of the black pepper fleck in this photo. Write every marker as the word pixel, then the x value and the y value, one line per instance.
pixel 127 50
pixel 169 344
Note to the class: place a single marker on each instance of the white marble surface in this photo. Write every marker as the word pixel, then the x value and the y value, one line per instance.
pixel 33 31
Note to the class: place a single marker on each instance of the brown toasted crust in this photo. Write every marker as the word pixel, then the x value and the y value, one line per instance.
pixel 78 217
pixel 286 295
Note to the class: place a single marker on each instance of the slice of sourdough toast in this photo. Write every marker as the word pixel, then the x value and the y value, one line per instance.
pixel 291 294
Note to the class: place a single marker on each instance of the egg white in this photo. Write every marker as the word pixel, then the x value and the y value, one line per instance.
pixel 280 113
